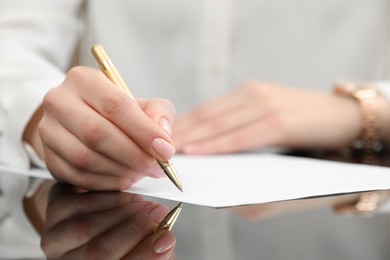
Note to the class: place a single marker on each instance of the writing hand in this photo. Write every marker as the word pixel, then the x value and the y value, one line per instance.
pixel 95 137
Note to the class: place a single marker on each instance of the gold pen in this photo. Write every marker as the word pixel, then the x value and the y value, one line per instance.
pixel 108 68
pixel 170 219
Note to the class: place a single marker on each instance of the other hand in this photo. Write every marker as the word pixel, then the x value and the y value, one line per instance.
pixel 258 115
pixel 274 209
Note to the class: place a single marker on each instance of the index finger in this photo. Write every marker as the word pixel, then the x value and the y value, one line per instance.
pixel 104 97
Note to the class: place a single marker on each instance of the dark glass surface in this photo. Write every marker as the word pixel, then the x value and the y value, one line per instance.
pixel 92 223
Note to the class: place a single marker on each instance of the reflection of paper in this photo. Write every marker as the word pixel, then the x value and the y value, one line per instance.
pixel 230 180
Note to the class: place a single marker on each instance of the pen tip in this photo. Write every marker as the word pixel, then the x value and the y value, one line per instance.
pixel 170 171
pixel 170 219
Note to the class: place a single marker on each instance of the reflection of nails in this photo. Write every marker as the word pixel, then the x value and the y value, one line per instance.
pixel 164 149
pixel 165 242
pixel 137 198
pixel 158 213
pixel 164 123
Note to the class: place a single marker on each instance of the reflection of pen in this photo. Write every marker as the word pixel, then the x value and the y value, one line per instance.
pixel 108 68
pixel 170 219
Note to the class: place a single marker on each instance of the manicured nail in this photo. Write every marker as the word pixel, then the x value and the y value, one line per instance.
pixel 193 148
pixel 164 149
pixel 165 242
pixel 164 123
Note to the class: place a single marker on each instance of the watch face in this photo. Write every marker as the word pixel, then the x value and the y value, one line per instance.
pixel 365 92
pixel 359 91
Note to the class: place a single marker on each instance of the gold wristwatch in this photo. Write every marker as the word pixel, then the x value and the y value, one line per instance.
pixel 367 97
pixel 369 142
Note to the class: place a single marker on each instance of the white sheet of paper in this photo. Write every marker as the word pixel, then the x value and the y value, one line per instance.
pixel 241 179
pixel 231 180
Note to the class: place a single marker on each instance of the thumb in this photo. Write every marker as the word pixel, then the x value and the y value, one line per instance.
pixel 161 111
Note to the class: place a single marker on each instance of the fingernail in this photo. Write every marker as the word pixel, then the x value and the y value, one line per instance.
pixel 164 149
pixel 148 204
pixel 165 242
pixel 164 123
pixel 156 171
pixel 158 213
pixel 191 148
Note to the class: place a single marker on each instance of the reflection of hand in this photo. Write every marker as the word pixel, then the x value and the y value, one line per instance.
pixel 97 138
pixel 260 115
pixel 104 225
pixel 268 210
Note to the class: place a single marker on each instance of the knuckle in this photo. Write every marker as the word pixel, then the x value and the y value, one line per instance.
pixel 80 158
pixel 114 103
pixel 77 73
pixel 92 132
pixel 85 202
pixel 217 124
pixel 50 100
pixel 81 229
pixel 96 250
pixel 199 113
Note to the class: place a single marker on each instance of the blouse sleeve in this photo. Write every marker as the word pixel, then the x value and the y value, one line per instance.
pixel 384 87
pixel 37 42
pixel 38 39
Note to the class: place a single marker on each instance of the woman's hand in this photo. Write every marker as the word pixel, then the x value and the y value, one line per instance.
pixel 258 115
pixel 95 137
pixel 104 225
